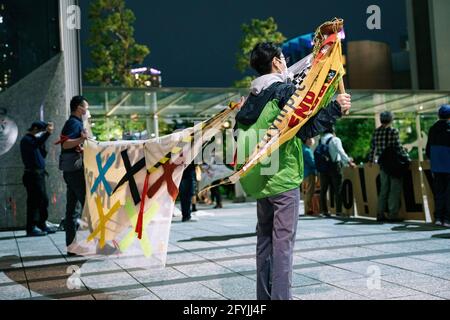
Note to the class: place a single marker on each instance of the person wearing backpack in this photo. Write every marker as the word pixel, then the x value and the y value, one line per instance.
pixel 330 159
pixel 438 151
pixel 394 161
pixel 277 193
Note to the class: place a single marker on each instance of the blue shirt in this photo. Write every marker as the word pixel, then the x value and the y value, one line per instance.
pixel 72 129
pixel 438 147
pixel 32 152
pixel 308 162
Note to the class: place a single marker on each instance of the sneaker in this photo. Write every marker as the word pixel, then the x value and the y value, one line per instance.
pixel 326 215
pixel 438 223
pixel 77 250
pixel 36 232
pixel 446 225
pixel 189 219
pixel 48 230
pixel 108 250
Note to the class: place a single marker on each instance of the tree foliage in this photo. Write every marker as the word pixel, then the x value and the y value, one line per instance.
pixel 114 50
pixel 253 33
pixel 356 136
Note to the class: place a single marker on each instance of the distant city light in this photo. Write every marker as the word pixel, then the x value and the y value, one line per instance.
pixel 152 71
pixel 138 70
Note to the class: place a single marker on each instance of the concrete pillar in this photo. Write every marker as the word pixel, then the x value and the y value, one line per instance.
pixel 440 42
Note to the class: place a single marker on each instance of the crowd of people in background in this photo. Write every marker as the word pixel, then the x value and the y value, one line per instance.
pixel 323 169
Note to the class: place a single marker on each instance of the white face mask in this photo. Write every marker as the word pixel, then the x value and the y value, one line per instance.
pixel 86 116
pixel 286 74
pixel 39 134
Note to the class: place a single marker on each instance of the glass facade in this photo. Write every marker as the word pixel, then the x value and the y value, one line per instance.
pixel 130 114
pixel 29 36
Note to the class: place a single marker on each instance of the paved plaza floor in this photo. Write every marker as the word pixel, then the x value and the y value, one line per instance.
pixel 214 258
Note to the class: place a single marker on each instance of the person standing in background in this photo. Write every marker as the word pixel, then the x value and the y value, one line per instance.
pixel 187 191
pixel 438 151
pixel 333 176
pixel 32 148
pixel 310 174
pixel 391 184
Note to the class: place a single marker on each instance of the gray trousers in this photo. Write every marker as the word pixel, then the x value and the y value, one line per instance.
pixel 276 230
pixel 390 193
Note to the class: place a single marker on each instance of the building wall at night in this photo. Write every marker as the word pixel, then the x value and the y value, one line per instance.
pixel 41 60
pixel 30 36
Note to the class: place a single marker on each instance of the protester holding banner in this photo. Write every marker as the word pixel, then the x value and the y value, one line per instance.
pixel 438 151
pixel 394 161
pixel 278 199
pixel 73 136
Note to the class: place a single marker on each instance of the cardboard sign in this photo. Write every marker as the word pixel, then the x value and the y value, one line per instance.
pixel 361 189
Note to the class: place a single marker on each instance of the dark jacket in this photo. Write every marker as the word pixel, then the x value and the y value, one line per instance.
pixel 438 147
pixel 33 151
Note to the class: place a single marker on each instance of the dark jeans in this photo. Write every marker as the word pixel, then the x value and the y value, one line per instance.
pixel 442 196
pixel 76 193
pixel 187 187
pixel 37 199
pixel 215 194
pixel 333 179
pixel 276 230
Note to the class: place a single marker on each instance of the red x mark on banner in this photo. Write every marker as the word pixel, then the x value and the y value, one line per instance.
pixel 172 188
pixel 167 177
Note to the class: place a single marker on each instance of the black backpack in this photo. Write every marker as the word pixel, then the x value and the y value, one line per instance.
pixel 322 157
pixel 392 162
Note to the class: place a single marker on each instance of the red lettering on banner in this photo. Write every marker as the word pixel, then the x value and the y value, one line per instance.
pixel 322 92
pixel 303 109
pixel 310 96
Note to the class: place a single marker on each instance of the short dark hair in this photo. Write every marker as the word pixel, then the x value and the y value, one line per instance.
pixel 386 117
pixel 76 102
pixel 262 56
pixel 331 130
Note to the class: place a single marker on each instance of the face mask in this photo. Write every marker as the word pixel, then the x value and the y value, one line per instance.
pixel 86 116
pixel 287 75
pixel 39 134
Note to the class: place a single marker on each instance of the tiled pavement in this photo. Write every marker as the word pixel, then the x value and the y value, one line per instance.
pixel 214 258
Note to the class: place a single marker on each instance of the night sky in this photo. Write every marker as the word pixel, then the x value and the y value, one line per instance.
pixel 194 43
